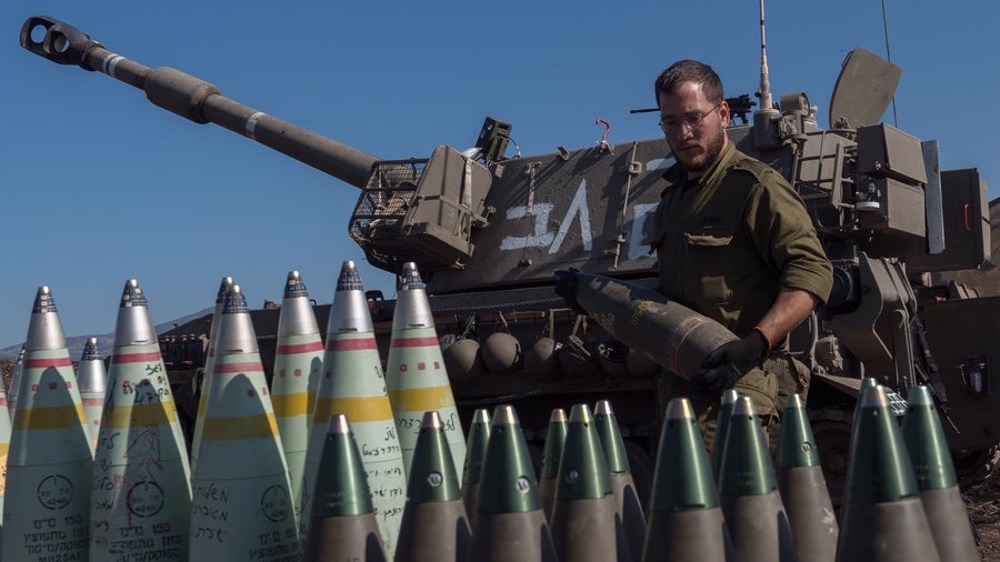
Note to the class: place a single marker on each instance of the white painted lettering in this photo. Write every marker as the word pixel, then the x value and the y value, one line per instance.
pixel 638 240
pixel 577 207
pixel 540 236
pixel 660 163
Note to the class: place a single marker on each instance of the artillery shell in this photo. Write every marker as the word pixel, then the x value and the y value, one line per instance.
pixel 479 437
pixel 352 383
pixel 416 376
pixel 242 508
pixel 92 377
pixel 141 498
pixel 633 522
pixel 555 438
pixel 749 493
pixel 583 521
pixel 297 364
pixel 685 517
pixel 803 487
pixel 510 524
pixel 435 526
pixel 882 517
pixel 935 474
pixel 49 467
pixel 342 523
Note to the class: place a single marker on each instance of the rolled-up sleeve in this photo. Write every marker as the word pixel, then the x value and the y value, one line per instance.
pixel 781 230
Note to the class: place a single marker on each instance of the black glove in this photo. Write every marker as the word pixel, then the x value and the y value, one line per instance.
pixel 566 288
pixel 724 366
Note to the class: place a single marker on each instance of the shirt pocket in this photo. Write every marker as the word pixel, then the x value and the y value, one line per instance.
pixel 709 257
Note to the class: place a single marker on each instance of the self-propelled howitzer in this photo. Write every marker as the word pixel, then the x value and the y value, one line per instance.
pixel 488 232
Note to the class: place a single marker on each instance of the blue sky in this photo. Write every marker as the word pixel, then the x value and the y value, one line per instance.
pixel 99 186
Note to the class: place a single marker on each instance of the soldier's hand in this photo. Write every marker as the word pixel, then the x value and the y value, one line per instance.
pixel 724 366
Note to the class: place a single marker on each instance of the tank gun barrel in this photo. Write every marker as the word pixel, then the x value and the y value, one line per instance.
pixel 197 100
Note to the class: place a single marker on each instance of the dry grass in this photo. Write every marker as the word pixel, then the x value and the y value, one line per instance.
pixel 983 503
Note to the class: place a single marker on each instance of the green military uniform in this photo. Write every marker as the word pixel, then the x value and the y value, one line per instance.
pixel 727 242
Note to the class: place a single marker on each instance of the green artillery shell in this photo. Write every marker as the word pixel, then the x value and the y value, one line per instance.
pixel 555 438
pixel 749 493
pixel 510 524
pixel 803 487
pixel 435 526
pixel 583 522
pixel 882 518
pixel 622 485
pixel 685 517
pixel 722 428
pixel 342 523
pixel 479 437
pixel 935 473
pixel 868 384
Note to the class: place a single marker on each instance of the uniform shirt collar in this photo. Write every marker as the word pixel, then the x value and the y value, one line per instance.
pixel 677 176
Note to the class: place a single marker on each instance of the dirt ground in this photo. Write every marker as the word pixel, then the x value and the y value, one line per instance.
pixel 983 503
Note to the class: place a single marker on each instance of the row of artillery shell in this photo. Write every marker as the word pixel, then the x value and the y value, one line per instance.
pixel 902 499
pixel 508 523
pixel 758 511
pixel 689 511
pixel 385 409
pixel 139 426
pixel 888 513
pixel 342 523
pixel 66 500
pixel 140 499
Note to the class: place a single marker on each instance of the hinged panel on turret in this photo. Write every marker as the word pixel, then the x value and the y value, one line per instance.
pixel 966 225
pixel 446 207
pixel 422 210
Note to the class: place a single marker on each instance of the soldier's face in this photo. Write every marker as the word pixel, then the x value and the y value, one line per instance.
pixel 695 127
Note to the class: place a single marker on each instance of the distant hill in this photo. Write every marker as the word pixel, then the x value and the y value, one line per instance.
pixel 106 341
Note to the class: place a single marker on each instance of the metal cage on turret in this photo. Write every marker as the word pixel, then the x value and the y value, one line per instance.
pixel 376 223
pixel 422 210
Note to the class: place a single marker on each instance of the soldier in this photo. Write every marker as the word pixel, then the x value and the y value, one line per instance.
pixel 734 243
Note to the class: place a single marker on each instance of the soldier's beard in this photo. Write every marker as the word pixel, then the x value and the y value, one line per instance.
pixel 700 159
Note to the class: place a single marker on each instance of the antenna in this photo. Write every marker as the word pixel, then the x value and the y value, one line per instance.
pixel 766 101
pixel 888 56
pixel 765 119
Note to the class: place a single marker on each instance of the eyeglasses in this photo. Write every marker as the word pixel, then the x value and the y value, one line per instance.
pixel 693 121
